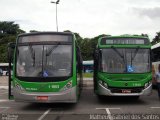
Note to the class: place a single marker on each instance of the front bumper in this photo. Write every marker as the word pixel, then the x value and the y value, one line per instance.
pixel 104 91
pixel 68 96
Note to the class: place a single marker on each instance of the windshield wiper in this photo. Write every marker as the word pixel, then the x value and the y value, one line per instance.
pixel 118 52
pixel 52 49
pixel 32 53
pixel 135 53
pixel 122 56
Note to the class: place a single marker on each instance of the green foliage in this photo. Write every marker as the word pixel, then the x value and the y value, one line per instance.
pixel 156 39
pixel 88 75
pixel 87 46
pixel 9 28
pixel 8 33
pixel 31 31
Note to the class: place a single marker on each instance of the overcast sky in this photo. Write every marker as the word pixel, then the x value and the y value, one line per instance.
pixel 89 18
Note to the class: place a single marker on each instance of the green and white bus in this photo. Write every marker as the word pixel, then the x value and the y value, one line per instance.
pixel 47 67
pixel 122 66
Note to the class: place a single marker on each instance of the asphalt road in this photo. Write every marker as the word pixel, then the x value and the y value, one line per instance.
pixel 88 107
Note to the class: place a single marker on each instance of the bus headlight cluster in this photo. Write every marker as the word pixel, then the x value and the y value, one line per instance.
pixel 67 86
pixel 103 83
pixel 19 87
pixel 147 84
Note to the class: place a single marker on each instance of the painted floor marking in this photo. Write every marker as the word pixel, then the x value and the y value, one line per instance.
pixel 3 93
pixel 44 114
pixel 3 87
pixel 155 107
pixel 5 100
pixel 5 108
pixel 108 112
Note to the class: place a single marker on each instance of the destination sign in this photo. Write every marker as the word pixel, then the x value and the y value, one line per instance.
pixel 129 41
pixel 45 38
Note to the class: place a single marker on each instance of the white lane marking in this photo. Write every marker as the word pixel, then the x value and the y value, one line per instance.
pixel 44 114
pixel 5 108
pixel 108 112
pixel 3 93
pixel 155 107
pixel 5 100
pixel 3 87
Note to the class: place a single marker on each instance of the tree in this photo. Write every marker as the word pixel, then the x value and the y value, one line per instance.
pixel 87 45
pixel 8 33
pixel 145 35
pixel 156 39
pixel 9 28
pixel 31 31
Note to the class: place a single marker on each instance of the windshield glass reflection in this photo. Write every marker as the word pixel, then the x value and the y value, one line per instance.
pixel 125 60
pixel 44 60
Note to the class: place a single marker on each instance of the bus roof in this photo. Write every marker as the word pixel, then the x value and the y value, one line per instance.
pixel 45 37
pixel 43 33
pixel 143 43
pixel 155 46
pixel 125 36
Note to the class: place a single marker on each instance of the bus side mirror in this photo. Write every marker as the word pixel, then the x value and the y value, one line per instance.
pixel 152 57
pixel 11 47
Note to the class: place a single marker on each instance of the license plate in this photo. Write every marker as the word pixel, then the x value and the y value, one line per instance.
pixel 42 98
pixel 126 91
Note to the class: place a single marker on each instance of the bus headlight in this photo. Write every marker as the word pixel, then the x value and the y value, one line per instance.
pixel 67 86
pixel 103 83
pixel 19 87
pixel 147 84
pixel 100 82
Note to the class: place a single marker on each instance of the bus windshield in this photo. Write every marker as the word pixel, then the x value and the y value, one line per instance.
pixel 44 60
pixel 123 60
